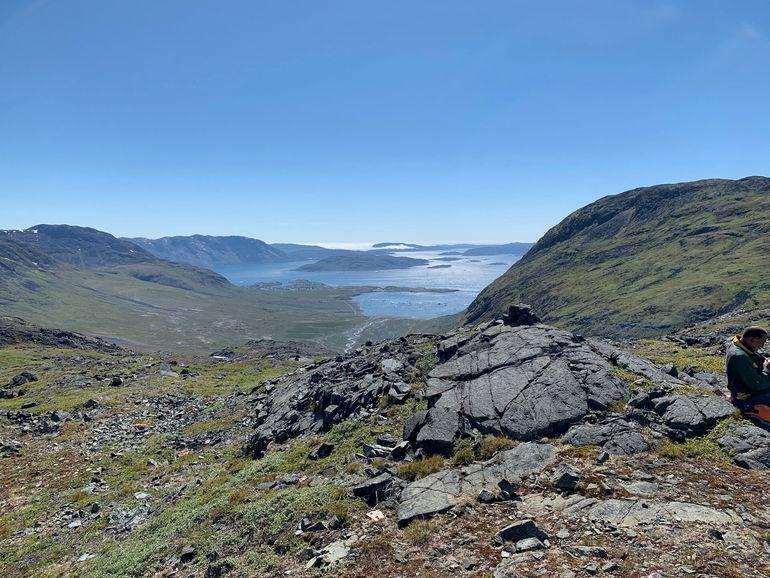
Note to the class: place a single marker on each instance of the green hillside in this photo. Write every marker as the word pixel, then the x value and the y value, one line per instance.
pixel 88 281
pixel 647 261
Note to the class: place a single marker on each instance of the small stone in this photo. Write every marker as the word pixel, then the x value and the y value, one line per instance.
pixel 566 477
pixel 141 495
pixel 591 569
pixel 528 544
pixel 519 531
pixel 322 451
pixel 603 457
pixel 609 567
pixel 95 507
pixel 486 497
pixel 116 381
pixel 187 554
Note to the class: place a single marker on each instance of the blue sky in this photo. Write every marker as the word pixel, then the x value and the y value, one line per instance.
pixel 360 121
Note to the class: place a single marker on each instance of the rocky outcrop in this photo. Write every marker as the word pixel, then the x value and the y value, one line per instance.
pixel 748 444
pixel 440 491
pixel 524 382
pixel 15 330
pixel 322 394
pixel 680 415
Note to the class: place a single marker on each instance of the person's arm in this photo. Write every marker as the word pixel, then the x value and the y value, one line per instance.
pixel 754 380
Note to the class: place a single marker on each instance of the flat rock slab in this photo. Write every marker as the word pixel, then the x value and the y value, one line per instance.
pixel 430 495
pixel 616 437
pixel 440 491
pixel 629 513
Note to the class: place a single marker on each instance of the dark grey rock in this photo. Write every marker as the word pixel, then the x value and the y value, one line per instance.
pixel 518 531
pixel 520 314
pixel 376 451
pixel 566 477
pixel 748 445
pixel 376 489
pixel 430 495
pixel 9 447
pixel 508 469
pixel 439 430
pixel 692 414
pixel 413 424
pixel 615 437
pixel 60 416
pixel 22 378
pixel 322 451
pixel 525 382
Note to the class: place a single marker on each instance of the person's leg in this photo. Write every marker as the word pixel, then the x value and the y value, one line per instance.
pixel 759 399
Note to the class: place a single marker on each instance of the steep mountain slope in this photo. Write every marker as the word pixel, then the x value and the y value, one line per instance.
pixel 646 261
pixel 209 251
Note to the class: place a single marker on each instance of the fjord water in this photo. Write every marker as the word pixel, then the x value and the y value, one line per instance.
pixel 466 277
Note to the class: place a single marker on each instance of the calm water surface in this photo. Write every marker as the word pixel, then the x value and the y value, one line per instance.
pixel 468 276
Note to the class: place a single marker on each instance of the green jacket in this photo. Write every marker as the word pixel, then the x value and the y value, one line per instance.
pixel 745 374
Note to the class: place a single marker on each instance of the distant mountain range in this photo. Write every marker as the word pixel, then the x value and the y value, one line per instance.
pixel 86 280
pixel 646 261
pixel 209 251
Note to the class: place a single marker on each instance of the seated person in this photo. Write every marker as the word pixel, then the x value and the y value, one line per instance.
pixel 748 372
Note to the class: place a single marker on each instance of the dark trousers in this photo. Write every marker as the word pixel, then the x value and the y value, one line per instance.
pixel 759 399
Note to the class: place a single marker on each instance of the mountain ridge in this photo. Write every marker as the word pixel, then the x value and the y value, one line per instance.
pixel 623 265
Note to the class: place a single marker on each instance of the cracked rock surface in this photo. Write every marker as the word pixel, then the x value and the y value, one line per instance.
pixel 523 382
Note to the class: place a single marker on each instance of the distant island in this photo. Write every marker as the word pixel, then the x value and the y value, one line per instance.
pixel 439 266
pixel 362 262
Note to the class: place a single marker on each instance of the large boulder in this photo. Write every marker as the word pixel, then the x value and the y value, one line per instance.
pixel 524 382
pixel 692 414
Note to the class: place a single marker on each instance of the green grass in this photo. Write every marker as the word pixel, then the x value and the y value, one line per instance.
pixel 428 358
pixel 665 352
pixel 645 262
pixel 635 383
pixel 419 532
pixel 464 452
pixel 704 448
pixel 420 468
pixel 227 513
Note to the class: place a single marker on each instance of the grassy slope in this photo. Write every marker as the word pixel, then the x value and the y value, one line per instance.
pixel 114 304
pixel 646 261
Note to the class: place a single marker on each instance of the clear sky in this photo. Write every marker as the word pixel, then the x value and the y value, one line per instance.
pixel 362 121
